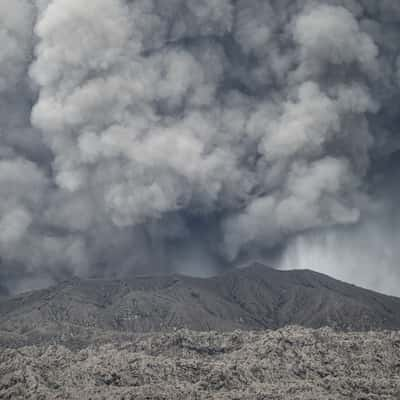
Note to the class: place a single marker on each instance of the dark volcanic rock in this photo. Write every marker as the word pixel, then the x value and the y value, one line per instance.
pixel 254 298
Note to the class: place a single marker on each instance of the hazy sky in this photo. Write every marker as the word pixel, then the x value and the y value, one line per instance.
pixel 150 136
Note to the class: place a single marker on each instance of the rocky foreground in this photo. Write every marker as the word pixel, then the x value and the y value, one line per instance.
pixel 290 363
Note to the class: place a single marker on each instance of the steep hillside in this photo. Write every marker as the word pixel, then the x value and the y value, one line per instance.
pixel 253 298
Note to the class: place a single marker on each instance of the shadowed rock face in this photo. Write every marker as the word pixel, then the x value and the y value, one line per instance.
pixel 254 298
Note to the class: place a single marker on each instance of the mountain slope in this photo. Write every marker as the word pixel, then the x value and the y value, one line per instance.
pixel 257 297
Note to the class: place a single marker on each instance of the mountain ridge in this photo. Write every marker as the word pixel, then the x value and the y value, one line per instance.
pixel 252 298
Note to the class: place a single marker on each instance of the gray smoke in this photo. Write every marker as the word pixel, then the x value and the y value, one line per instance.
pixel 150 136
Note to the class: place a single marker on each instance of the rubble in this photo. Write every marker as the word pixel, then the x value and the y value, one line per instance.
pixel 285 364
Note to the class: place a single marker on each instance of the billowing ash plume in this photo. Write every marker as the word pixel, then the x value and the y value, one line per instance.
pixel 147 136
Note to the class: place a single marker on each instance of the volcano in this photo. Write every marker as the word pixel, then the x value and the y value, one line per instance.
pixel 253 298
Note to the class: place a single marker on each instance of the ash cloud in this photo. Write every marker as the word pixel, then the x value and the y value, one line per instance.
pixel 147 136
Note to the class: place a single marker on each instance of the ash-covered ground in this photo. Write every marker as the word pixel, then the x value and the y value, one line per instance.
pixel 290 363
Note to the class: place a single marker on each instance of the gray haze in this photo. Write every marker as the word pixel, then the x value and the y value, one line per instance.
pixel 150 136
